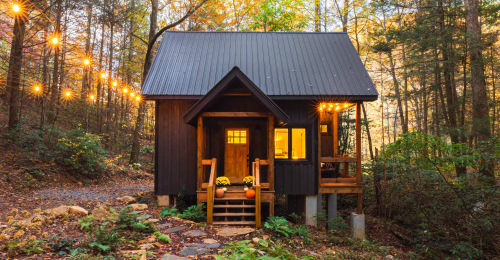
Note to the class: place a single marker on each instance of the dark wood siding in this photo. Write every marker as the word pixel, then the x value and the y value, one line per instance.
pixel 175 148
pixel 299 177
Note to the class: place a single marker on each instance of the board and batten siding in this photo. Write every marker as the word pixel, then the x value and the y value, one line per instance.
pixel 299 177
pixel 175 147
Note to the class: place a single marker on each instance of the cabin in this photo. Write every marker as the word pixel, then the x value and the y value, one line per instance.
pixel 261 104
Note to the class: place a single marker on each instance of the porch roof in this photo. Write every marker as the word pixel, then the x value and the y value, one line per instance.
pixel 223 84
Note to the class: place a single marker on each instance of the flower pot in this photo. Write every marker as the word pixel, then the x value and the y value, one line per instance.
pixel 219 193
pixel 225 189
pixel 250 194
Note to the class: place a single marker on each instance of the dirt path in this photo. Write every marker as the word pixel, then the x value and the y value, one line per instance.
pixel 85 196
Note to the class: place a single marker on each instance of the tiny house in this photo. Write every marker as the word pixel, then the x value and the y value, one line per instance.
pixel 261 104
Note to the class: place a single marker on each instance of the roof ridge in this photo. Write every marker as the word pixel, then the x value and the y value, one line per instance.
pixel 255 32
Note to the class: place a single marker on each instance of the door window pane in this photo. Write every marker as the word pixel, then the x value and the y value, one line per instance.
pixel 298 143
pixel 281 143
pixel 237 137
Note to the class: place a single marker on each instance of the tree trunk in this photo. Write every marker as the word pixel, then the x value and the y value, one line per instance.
pixel 85 83
pixel 54 92
pixel 480 106
pixel 110 90
pixel 14 72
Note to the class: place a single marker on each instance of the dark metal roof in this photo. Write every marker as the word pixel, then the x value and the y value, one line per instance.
pixel 216 91
pixel 279 63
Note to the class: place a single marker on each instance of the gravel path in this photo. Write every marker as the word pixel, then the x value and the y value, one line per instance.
pixel 84 196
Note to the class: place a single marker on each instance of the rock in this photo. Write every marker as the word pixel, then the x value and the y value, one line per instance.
pixel 195 233
pixel 80 184
pixel 145 216
pixel 139 206
pixel 134 212
pixel 255 240
pixel 59 211
pixel 154 220
pixel 101 213
pixel 232 232
pixel 173 257
pixel 78 211
pixel 329 252
pixel 127 199
pixel 174 229
pixel 194 251
pixel 151 239
pixel 164 225
pixel 214 245
pixel 209 241
pixel 34 218
pixel 265 237
pixel 389 257
pixel 146 246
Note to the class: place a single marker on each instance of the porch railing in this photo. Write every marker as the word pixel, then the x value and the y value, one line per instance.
pixel 211 188
pixel 256 184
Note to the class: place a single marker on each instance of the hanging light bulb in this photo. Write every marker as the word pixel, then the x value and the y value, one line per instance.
pixel 138 98
pixel 16 8
pixel 86 61
pixel 115 83
pixel 125 90
pixel 103 75
pixel 67 93
pixel 55 40
pixel 37 88
pixel 132 94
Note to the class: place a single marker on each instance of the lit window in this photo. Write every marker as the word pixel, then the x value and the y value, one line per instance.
pixel 237 137
pixel 298 143
pixel 281 143
pixel 324 128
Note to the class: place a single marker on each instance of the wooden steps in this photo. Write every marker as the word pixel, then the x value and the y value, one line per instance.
pixel 234 206
pixel 235 198
pixel 233 214
pixel 239 223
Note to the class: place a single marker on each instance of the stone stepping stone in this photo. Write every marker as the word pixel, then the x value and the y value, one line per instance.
pixel 164 225
pixel 174 229
pixel 135 212
pixel 187 251
pixel 209 241
pixel 173 257
pixel 145 216
pixel 213 246
pixel 195 233
pixel 232 232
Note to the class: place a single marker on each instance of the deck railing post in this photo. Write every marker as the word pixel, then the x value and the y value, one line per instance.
pixel 358 156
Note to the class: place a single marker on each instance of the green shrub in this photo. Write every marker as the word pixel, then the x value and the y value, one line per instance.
pixel 170 212
pixel 86 223
pixel 106 238
pixel 62 245
pixel 163 238
pixel 280 225
pixel 79 255
pixel 441 211
pixel 127 220
pixel 195 213
pixel 15 247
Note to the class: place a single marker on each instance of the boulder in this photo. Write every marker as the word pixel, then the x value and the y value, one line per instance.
pixel 78 211
pixel 147 246
pixel 255 240
pixel 128 199
pixel 389 257
pixel 139 206
pixel 233 232
pixel 59 211
pixel 101 213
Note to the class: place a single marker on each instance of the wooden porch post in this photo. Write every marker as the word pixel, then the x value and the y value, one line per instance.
pixel 335 131
pixel 199 175
pixel 358 156
pixel 270 152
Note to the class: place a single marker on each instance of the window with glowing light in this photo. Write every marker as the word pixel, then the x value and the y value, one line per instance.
pixel 237 137
pixel 290 143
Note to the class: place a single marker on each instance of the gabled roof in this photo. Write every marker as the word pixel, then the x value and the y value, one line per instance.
pixel 281 64
pixel 222 85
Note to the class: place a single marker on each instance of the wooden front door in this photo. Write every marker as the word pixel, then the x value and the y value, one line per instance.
pixel 236 154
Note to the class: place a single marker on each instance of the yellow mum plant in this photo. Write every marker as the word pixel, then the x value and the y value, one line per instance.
pixel 248 181
pixel 222 181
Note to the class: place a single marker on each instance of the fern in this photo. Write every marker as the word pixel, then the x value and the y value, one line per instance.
pixel 162 238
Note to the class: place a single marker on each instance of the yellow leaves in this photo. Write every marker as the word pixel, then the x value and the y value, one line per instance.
pixel 18 234
pixel 14 211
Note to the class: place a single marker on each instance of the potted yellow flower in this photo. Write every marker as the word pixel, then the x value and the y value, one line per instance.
pixel 248 182
pixel 221 182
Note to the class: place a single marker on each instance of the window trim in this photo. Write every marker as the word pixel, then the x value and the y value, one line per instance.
pixel 309 141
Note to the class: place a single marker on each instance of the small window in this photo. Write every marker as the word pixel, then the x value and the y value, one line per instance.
pixel 324 128
pixel 281 143
pixel 297 143
pixel 237 137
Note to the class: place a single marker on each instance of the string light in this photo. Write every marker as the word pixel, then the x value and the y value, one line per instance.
pixel 55 40
pixel 92 97
pixel 114 83
pixel 125 90
pixel 67 93
pixel 36 88
pixel 138 98
pixel 337 108
pixel 86 61
pixel 345 105
pixel 16 8
pixel 103 75
pixel 132 94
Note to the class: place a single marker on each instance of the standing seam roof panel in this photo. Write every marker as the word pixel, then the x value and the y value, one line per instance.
pixel 191 63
